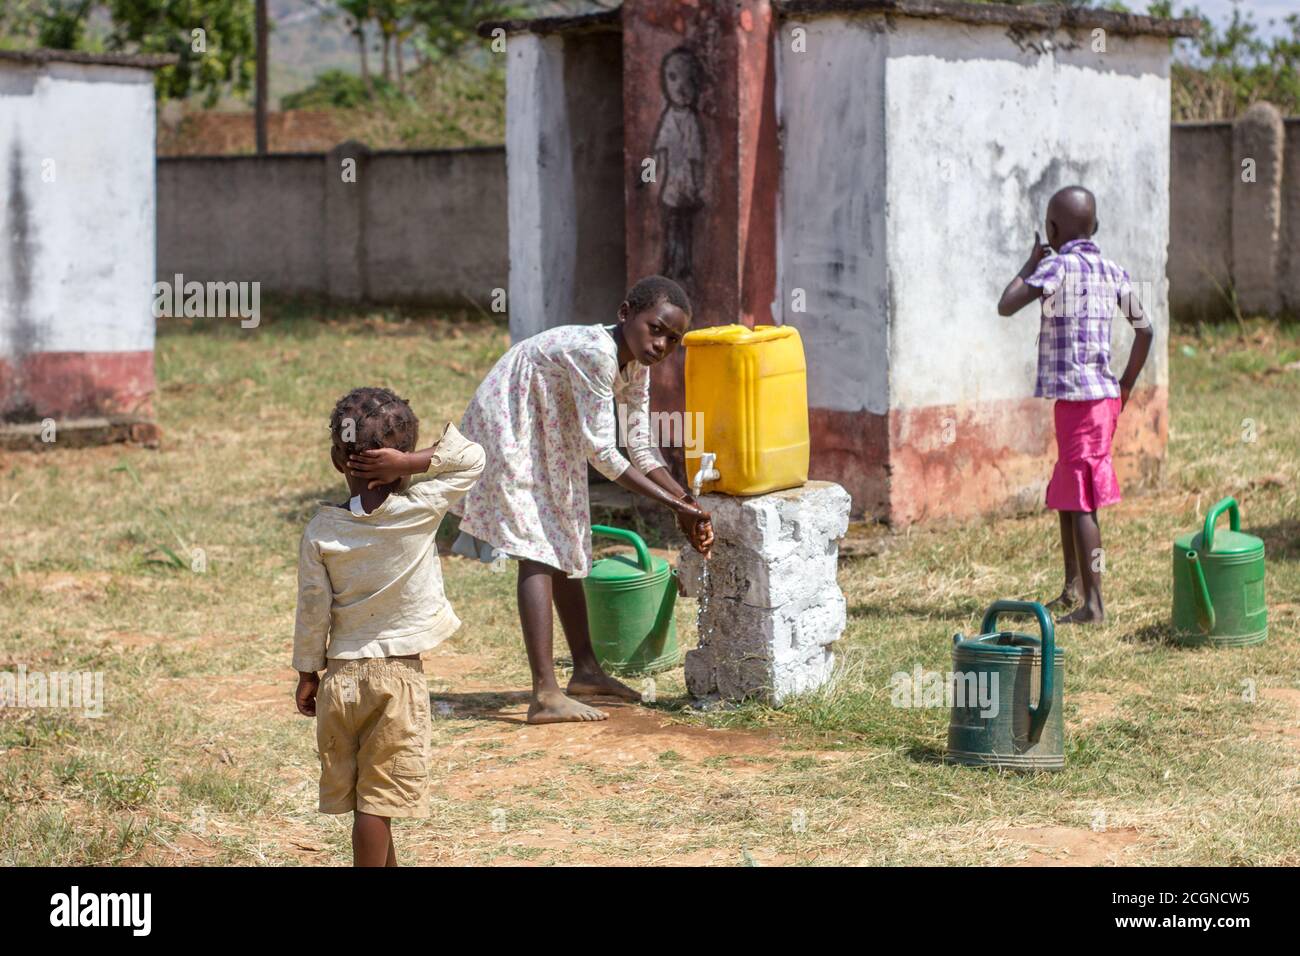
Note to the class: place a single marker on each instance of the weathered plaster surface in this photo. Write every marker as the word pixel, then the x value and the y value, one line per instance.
pixel 77 265
pixel 1201 173
pixel 77 255
pixel 770 605
pixel 539 181
pixel 981 129
pixel 832 222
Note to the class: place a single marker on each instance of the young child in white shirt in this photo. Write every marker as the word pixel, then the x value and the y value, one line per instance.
pixel 370 600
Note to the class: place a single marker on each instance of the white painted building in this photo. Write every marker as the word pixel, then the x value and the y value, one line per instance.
pixel 77 262
pixel 918 142
pixel 920 146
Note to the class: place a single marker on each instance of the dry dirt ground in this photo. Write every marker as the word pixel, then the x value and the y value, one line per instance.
pixel 1174 755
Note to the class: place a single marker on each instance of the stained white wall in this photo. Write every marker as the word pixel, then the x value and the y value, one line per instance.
pixel 831 233
pixel 541 196
pixel 77 252
pixel 917 160
pixel 980 132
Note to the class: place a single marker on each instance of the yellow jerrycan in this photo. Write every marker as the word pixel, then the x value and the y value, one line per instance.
pixel 747 409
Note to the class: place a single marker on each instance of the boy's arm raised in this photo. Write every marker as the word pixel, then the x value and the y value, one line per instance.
pixel 1018 292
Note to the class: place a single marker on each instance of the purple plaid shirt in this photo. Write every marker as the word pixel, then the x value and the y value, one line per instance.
pixel 1081 291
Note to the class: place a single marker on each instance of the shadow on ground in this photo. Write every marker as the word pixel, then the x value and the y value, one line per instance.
pixel 1281 540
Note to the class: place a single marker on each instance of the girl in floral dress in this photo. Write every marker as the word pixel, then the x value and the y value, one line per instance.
pixel 544 411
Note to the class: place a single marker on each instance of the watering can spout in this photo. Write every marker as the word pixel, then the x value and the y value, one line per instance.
pixel 1200 593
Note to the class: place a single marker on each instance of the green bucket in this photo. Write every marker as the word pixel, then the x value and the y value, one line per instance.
pixel 630 600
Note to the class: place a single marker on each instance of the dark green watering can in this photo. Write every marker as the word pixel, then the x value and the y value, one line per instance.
pixel 630 600
pixel 994 721
pixel 1219 584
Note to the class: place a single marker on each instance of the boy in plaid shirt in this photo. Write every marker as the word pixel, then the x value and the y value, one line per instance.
pixel 1080 290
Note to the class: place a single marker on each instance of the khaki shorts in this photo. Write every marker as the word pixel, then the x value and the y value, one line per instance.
pixel 372 731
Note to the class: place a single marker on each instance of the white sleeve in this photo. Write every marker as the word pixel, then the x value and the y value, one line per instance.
pixel 591 378
pixel 315 600
pixel 640 439
pixel 456 464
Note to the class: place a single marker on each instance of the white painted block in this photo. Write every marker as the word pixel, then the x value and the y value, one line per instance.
pixel 770 604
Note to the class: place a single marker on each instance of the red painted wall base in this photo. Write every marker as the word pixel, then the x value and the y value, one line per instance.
pixel 62 385
pixel 960 461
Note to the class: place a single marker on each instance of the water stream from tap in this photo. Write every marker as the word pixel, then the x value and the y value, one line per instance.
pixel 703 623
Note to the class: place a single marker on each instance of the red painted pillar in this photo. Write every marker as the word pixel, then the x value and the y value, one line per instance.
pixel 700 146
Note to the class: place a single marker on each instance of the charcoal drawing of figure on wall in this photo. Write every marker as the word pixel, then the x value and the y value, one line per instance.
pixel 679 159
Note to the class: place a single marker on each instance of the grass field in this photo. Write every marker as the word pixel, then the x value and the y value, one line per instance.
pixel 201 758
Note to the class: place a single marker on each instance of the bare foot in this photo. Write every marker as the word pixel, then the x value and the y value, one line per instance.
pixel 1083 615
pixel 552 707
pixel 600 684
pixel 1067 599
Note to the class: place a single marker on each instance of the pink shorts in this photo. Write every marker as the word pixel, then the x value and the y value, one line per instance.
pixel 1084 478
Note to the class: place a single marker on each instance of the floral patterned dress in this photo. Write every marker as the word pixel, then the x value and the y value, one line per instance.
pixel 544 411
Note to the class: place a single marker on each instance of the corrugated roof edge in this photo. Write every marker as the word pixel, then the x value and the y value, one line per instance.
pixel 148 61
pixel 1040 16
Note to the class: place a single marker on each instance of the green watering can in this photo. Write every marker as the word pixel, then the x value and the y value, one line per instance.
pixel 630 609
pixel 1219 584
pixel 994 723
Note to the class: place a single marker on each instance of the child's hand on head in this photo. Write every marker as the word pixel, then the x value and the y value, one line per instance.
pixel 380 466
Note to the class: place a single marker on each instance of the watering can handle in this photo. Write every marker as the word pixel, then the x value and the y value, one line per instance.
pixel 1234 521
pixel 1047 676
pixel 632 538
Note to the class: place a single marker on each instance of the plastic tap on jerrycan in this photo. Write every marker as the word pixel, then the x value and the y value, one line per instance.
pixel 1219 583
pixel 748 389
pixel 630 601
pixel 1007 691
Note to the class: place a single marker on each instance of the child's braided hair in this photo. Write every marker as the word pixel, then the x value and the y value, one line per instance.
pixel 379 419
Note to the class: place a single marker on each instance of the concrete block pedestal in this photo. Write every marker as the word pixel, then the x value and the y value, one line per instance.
pixel 770 603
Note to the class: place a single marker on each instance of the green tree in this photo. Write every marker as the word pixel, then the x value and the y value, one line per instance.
pixel 214 40
pixel 62 24
pixel 1232 66
pixel 19 21
pixel 357 14
pixel 446 27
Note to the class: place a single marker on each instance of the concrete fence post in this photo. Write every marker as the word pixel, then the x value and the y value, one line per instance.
pixel 345 222
pixel 1258 144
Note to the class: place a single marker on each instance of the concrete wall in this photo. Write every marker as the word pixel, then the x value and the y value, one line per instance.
pixel 918 158
pixel 833 281
pixel 422 226
pixel 1015 126
pixel 435 224
pixel 1228 235
pixel 77 246
pixel 243 219
pixel 982 127
pixel 564 161
pixel 1289 281
pixel 593 81
pixel 1200 219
